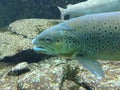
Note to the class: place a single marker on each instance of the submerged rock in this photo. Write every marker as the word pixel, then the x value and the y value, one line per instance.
pixel 20 33
pixel 29 28
pixel 48 75
pixel 19 69
pixel 10 44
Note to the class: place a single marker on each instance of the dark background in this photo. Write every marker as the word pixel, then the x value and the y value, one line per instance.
pixel 11 10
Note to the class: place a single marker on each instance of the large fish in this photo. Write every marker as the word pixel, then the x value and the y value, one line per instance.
pixel 90 7
pixel 86 38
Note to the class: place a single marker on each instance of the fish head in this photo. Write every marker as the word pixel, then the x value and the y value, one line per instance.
pixel 51 41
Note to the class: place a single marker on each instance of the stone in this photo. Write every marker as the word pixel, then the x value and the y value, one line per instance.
pixel 8 83
pixel 19 69
pixel 44 77
pixel 10 44
pixel 31 27
pixel 70 85
pixel 19 34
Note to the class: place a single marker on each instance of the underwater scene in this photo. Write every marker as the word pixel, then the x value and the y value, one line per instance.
pixel 60 45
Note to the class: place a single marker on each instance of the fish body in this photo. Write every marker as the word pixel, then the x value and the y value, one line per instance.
pixel 90 7
pixel 86 38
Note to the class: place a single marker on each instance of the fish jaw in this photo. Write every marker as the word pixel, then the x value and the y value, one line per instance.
pixel 42 50
pixel 38 49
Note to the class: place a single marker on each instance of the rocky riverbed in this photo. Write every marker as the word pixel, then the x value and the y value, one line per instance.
pixel 23 69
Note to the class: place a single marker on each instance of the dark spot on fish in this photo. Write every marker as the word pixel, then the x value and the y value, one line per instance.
pixel 99 29
pixel 105 30
pixel 115 28
pixel 107 41
pixel 92 42
pixel 70 37
pixel 109 26
pixel 83 44
pixel 105 23
pixel 73 41
pixel 89 49
pixel 66 41
pixel 58 40
pixel 99 40
pixel 70 42
pixel 114 50
pixel 90 34
pixel 114 43
pixel 110 33
pixel 102 46
pixel 76 43
pixel 87 39
pixel 103 36
pixel 81 55
pixel 85 25
pixel 80 26
pixel 93 27
pixel 75 30
pixel 95 48
pixel 85 34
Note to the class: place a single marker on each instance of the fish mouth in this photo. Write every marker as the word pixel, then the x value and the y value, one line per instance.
pixel 39 49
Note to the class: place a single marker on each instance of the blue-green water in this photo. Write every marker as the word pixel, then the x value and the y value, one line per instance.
pixel 11 10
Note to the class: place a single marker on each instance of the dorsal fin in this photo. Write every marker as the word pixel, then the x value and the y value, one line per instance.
pixel 61 11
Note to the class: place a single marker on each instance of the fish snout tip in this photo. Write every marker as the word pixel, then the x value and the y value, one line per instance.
pixel 33 41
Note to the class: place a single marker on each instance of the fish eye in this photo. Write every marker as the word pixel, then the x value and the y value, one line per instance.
pixel 58 40
pixel 48 40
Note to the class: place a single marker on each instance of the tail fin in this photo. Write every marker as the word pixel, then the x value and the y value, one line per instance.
pixel 61 11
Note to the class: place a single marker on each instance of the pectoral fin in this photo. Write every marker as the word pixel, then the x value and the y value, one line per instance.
pixel 92 65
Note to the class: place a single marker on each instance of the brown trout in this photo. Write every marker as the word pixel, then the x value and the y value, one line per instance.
pixel 87 38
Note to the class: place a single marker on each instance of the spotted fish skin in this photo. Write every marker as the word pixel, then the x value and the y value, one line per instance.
pixel 86 38
pixel 98 35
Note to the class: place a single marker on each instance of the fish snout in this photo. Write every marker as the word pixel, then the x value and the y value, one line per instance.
pixel 34 41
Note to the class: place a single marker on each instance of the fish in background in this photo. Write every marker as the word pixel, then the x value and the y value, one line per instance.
pixel 89 7
pixel 87 38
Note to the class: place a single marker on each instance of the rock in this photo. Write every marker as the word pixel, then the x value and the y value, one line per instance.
pixel 31 27
pixel 10 44
pixel 8 83
pixel 45 77
pixel 20 33
pixel 70 85
pixel 49 75
pixel 19 69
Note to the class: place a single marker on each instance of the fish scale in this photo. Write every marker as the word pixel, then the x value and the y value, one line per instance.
pixel 86 38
